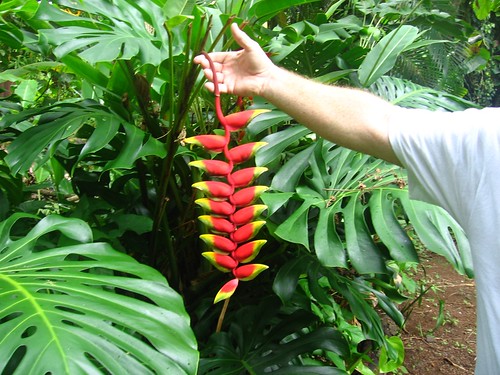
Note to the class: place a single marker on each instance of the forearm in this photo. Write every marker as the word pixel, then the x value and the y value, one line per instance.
pixel 349 117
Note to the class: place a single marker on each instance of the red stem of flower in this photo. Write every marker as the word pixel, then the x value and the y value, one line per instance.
pixel 220 116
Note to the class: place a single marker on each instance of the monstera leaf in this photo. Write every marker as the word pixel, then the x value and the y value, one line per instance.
pixel 60 121
pixel 352 210
pixel 79 307
pixel 254 345
pixel 104 31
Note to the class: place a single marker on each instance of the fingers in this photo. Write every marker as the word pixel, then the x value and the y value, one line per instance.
pixel 218 59
pixel 210 84
pixel 202 60
pixel 243 40
pixel 222 88
pixel 210 76
pixel 199 59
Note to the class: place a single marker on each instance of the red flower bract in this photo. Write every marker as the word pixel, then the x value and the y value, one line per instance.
pixel 238 120
pixel 227 290
pixel 246 176
pixel 215 189
pixel 219 243
pixel 212 167
pixel 249 271
pixel 210 142
pixel 247 252
pixel 216 207
pixel 231 216
pixel 247 231
pixel 247 214
pixel 224 263
pixel 247 195
pixel 217 224
pixel 244 152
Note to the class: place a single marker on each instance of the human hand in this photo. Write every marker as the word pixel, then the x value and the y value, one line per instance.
pixel 245 72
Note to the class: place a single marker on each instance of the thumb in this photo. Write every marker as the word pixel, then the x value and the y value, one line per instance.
pixel 240 37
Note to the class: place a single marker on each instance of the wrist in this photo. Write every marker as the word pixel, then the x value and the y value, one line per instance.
pixel 272 82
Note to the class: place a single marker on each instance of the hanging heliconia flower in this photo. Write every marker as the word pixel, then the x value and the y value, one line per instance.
pixel 230 199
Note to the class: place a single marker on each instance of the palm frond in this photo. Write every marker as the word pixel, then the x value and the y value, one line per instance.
pixel 440 66
pixel 408 94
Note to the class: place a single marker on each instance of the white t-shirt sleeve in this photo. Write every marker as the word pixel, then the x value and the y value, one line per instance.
pixel 453 160
pixel 446 154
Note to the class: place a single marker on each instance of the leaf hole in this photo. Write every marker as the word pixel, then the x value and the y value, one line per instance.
pixel 28 332
pixel 78 257
pixel 49 270
pixel 339 224
pixel 137 295
pixel 50 290
pixel 69 309
pixel 71 323
pixel 10 317
pixel 97 363
pixel 345 201
pixel 135 334
pixel 14 259
pixel 14 360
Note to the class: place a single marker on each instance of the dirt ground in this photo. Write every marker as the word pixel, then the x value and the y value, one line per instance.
pixel 441 339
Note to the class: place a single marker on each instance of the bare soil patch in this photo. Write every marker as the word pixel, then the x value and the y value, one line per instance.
pixel 440 335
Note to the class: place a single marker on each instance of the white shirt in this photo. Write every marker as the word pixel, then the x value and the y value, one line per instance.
pixel 453 160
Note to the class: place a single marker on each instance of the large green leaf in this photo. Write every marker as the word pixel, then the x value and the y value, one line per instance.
pixel 19 6
pixel 125 36
pixel 389 226
pixel 106 130
pixel 173 8
pixel 287 177
pixel 85 308
pixel 328 244
pixel 321 46
pixel 264 10
pixel 85 70
pixel 278 142
pixel 383 56
pixel 52 128
pixel 137 145
pixel 267 120
pixel 483 8
pixel 264 339
pixel 27 90
pixel 439 232
pixel 62 120
pixel 353 290
pixel 364 254
pixel 344 199
pixel 295 227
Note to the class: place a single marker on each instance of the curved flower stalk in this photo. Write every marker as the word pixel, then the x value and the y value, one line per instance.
pixel 230 199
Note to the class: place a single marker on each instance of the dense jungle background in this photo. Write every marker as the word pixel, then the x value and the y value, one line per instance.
pixel 333 270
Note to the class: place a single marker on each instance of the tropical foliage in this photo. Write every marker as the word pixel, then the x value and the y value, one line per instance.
pixel 100 256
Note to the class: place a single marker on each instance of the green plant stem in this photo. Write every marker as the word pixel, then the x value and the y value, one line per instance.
pixel 172 260
pixel 151 124
pixel 187 92
pixel 142 174
pixel 166 169
pixel 222 315
pixel 249 368
pixel 221 34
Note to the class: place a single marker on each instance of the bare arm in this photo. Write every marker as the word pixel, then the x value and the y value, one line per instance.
pixel 352 118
